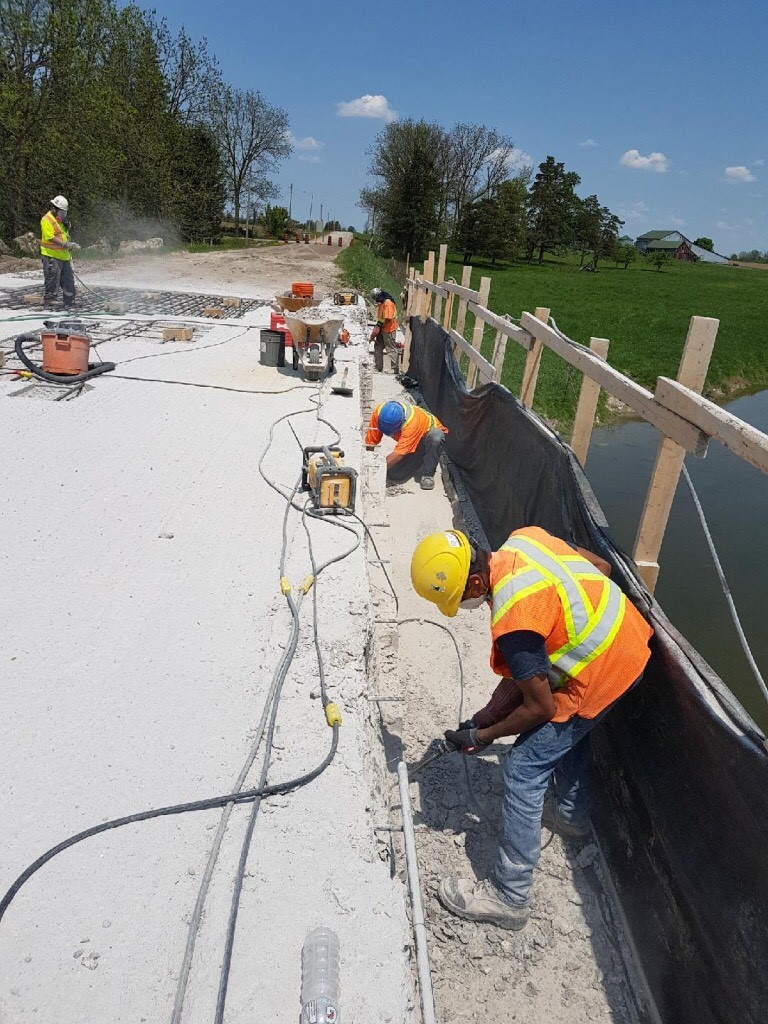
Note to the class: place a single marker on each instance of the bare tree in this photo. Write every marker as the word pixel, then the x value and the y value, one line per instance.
pixel 190 70
pixel 253 137
pixel 478 160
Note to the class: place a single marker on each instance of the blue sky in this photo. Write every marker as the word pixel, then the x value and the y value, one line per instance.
pixel 662 108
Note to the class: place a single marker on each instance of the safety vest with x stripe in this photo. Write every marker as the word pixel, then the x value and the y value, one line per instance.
pixel 540 583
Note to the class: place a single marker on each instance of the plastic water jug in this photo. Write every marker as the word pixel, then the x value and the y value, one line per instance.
pixel 320 978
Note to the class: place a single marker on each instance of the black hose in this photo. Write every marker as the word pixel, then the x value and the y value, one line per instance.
pixel 56 378
pixel 243 797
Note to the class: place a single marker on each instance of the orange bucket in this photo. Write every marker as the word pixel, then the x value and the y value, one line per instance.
pixel 65 352
pixel 303 289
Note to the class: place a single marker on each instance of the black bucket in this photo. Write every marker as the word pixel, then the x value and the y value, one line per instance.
pixel 272 348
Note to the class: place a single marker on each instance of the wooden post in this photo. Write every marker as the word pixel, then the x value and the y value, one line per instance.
pixel 439 280
pixel 461 316
pixel 477 333
pixel 532 363
pixel 585 410
pixel 669 458
pixel 448 314
pixel 414 299
pixel 499 351
pixel 429 275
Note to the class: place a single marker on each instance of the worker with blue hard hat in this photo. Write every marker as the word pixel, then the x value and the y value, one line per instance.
pixel 418 437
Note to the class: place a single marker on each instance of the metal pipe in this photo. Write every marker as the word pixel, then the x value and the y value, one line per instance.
pixel 417 907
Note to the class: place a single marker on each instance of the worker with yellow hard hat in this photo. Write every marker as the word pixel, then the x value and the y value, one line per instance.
pixel 567 644
pixel 55 252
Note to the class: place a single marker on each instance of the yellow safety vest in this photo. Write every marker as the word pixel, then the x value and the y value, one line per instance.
pixel 53 231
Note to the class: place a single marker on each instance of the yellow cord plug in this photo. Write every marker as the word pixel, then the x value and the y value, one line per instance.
pixel 306 586
pixel 285 585
pixel 332 715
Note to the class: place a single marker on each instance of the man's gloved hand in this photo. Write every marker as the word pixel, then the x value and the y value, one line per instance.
pixel 74 245
pixel 464 740
pixel 470 723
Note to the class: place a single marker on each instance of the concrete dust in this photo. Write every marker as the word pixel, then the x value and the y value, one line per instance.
pixel 571 963
pixel 252 273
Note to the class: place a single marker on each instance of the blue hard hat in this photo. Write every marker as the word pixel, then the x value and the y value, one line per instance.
pixel 391 418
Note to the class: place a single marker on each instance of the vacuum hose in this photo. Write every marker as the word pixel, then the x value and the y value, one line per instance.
pixel 56 378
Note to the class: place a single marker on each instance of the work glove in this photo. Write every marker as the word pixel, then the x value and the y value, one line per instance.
pixel 464 740
pixel 469 724
pixel 71 246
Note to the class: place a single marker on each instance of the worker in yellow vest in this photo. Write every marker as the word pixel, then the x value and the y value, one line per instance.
pixel 567 644
pixel 55 251
pixel 384 334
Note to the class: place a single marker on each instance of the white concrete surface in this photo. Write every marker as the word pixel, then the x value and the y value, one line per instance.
pixel 142 622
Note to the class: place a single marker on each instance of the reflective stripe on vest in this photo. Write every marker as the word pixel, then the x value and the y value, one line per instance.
pixel 412 413
pixel 58 233
pixel 590 630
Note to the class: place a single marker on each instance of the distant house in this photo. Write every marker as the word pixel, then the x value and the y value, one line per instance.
pixel 678 246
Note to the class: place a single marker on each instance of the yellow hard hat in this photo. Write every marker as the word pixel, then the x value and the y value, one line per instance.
pixel 440 569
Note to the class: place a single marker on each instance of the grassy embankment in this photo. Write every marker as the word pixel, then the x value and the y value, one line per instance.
pixel 644 314
pixel 361 270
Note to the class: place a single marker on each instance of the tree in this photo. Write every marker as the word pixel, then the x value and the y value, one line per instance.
pixel 477 160
pixel 504 233
pixel 587 226
pixel 657 258
pixel 199 191
pixel 470 237
pixel 275 220
pixel 705 243
pixel 552 207
pixel 253 136
pixel 404 205
pixel 625 253
pixel 608 237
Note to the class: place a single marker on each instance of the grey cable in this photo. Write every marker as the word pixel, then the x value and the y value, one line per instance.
pixel 445 629
pixel 726 589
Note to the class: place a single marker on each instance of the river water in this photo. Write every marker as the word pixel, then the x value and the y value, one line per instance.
pixel 734 496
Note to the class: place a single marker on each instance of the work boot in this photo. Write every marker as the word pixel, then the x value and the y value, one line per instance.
pixel 427 483
pixel 555 822
pixel 480 902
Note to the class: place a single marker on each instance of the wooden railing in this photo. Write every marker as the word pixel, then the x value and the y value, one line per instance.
pixel 685 419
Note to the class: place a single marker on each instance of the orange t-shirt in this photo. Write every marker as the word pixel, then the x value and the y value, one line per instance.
pixel 604 678
pixel 417 424
pixel 387 316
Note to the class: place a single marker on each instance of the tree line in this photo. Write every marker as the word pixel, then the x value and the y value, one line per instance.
pixel 468 185
pixel 131 121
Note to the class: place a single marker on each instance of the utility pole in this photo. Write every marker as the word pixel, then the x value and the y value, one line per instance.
pixel 290 201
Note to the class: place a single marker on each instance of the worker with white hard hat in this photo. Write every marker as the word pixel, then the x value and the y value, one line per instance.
pixel 55 251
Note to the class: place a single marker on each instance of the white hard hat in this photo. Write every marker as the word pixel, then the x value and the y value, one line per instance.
pixel 60 202
pixel 375 292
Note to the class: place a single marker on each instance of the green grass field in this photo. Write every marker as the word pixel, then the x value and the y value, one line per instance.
pixel 644 314
pixel 361 270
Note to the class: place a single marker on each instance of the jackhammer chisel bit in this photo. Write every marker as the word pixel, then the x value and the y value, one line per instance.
pixel 437 748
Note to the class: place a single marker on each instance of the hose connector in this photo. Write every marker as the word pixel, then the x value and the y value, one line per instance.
pixel 285 585
pixel 306 586
pixel 332 714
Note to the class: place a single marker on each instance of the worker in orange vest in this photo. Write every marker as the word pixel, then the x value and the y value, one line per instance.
pixel 418 437
pixel 384 334
pixel 568 644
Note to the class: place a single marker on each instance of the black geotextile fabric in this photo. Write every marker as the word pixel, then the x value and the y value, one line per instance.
pixel 680 770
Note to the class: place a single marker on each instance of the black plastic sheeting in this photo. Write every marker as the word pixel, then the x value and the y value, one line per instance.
pixel 680 770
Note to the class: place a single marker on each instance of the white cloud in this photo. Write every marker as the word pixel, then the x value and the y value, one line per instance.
pixel 308 142
pixel 310 158
pixel 635 211
pixel 758 163
pixel 740 173
pixel 588 142
pixel 724 226
pixel 515 158
pixel 677 222
pixel 653 162
pixel 367 106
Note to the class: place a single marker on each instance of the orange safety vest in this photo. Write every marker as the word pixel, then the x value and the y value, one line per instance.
pixel 418 422
pixel 597 641
pixel 53 231
pixel 387 316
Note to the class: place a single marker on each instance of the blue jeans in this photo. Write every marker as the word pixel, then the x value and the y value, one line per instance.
pixel 559 747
